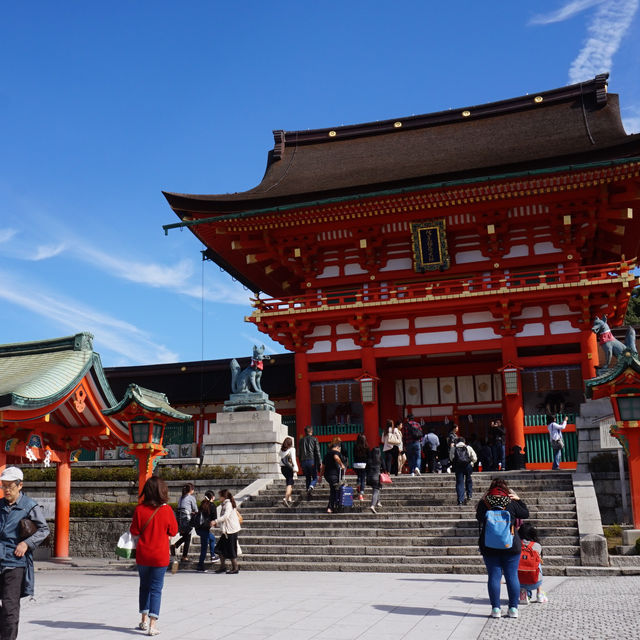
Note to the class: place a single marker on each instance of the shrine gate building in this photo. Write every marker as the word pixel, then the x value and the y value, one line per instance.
pixel 447 265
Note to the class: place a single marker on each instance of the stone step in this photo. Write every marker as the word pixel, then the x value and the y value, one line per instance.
pixel 379 538
pixel 359 508
pixel 292 548
pixel 383 519
pixel 394 563
pixel 435 498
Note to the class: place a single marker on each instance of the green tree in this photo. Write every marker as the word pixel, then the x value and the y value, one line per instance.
pixel 633 309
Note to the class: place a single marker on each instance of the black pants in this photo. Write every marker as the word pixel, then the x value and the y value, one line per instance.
pixel 391 460
pixel 184 540
pixel 431 459
pixel 10 589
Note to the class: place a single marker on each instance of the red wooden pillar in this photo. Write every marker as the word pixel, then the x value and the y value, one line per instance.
pixel 633 438
pixel 370 410
pixel 3 464
pixel 63 498
pixel 512 409
pixel 589 343
pixel 303 394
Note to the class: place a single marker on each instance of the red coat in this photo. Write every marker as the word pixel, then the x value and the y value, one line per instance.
pixel 152 549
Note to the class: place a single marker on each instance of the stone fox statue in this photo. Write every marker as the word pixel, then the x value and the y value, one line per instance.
pixel 609 344
pixel 248 379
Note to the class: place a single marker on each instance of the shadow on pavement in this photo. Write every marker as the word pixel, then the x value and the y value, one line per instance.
pixel 425 611
pixel 89 626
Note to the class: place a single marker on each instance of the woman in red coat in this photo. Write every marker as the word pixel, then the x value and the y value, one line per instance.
pixel 154 521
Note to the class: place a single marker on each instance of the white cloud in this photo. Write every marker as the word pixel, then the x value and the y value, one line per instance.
pixel 609 25
pixel 7 234
pixel 565 12
pixel 631 119
pixel 47 251
pixel 116 335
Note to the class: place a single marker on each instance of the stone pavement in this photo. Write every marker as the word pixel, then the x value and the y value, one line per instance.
pixel 98 602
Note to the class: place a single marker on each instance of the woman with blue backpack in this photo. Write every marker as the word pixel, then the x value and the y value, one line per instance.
pixel 500 544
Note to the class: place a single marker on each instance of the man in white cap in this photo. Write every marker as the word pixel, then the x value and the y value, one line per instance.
pixel 16 547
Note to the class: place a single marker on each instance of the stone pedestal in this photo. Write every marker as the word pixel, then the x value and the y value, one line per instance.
pixel 249 439
pixel 249 401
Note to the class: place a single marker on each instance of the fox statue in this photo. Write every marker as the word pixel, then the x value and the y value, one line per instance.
pixel 610 345
pixel 248 379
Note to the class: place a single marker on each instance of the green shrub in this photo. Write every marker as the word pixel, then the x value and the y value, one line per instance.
pixel 130 474
pixel 638 546
pixel 613 531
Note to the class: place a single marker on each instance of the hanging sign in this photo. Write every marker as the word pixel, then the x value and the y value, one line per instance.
pixel 430 252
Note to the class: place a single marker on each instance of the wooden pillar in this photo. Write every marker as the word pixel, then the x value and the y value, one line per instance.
pixel 63 499
pixel 303 394
pixel 512 409
pixel 370 410
pixel 3 464
pixel 589 343
pixel 633 438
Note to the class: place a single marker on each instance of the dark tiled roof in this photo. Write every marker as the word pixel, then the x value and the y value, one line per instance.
pixel 575 124
pixel 209 381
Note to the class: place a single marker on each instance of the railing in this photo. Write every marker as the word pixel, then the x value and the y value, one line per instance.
pixel 539 450
pixel 474 286
pixel 540 419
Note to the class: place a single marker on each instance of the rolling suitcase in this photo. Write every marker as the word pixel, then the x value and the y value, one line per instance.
pixel 346 497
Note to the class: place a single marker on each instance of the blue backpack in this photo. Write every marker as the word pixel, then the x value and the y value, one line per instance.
pixel 498 530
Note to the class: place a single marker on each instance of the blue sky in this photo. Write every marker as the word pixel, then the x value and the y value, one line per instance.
pixel 103 105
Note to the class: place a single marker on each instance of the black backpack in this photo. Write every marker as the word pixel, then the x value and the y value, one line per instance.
pixel 199 520
pixel 415 431
pixel 461 456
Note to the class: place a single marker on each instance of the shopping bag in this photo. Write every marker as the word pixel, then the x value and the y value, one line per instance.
pixel 126 547
pixel 385 478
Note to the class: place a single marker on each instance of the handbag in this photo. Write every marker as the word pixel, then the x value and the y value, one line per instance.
pixel 26 528
pixel 394 438
pixel 385 478
pixel 557 444
pixel 127 542
pixel 240 518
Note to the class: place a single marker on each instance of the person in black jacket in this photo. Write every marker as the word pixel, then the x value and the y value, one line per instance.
pixel 310 459
pixel 503 560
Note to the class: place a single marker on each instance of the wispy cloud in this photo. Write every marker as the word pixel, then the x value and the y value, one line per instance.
pixel 121 337
pixel 47 251
pixel 605 33
pixel 565 12
pixel 631 119
pixel 178 277
pixel 7 234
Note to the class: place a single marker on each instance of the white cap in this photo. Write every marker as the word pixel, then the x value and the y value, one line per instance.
pixel 11 474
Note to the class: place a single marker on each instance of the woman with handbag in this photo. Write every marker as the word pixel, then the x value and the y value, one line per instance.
pixel 288 468
pixel 391 446
pixel 556 439
pixel 229 523
pixel 154 521
pixel 187 508
pixel 332 468
pixel 203 519
pixel 374 465
pixel 360 457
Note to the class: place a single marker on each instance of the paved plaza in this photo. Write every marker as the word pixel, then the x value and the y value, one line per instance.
pixel 95 602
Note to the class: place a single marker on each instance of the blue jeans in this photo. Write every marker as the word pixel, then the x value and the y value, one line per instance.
pixel 557 456
pixel 413 455
pixel 496 566
pixel 310 473
pixel 207 541
pixel 464 481
pixel 150 593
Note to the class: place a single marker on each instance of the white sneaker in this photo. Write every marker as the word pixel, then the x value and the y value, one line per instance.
pixel 373 509
pixel 512 613
pixel 524 598
pixel 416 471
pixel 496 613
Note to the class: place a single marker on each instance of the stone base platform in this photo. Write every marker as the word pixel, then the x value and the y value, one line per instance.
pixel 246 439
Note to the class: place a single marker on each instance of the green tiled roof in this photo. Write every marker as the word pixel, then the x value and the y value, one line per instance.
pixel 149 400
pixel 626 360
pixel 35 374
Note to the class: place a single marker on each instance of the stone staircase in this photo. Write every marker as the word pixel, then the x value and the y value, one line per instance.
pixel 419 528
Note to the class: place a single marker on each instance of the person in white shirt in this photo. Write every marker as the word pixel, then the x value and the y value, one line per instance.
pixel 555 436
pixel 288 468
